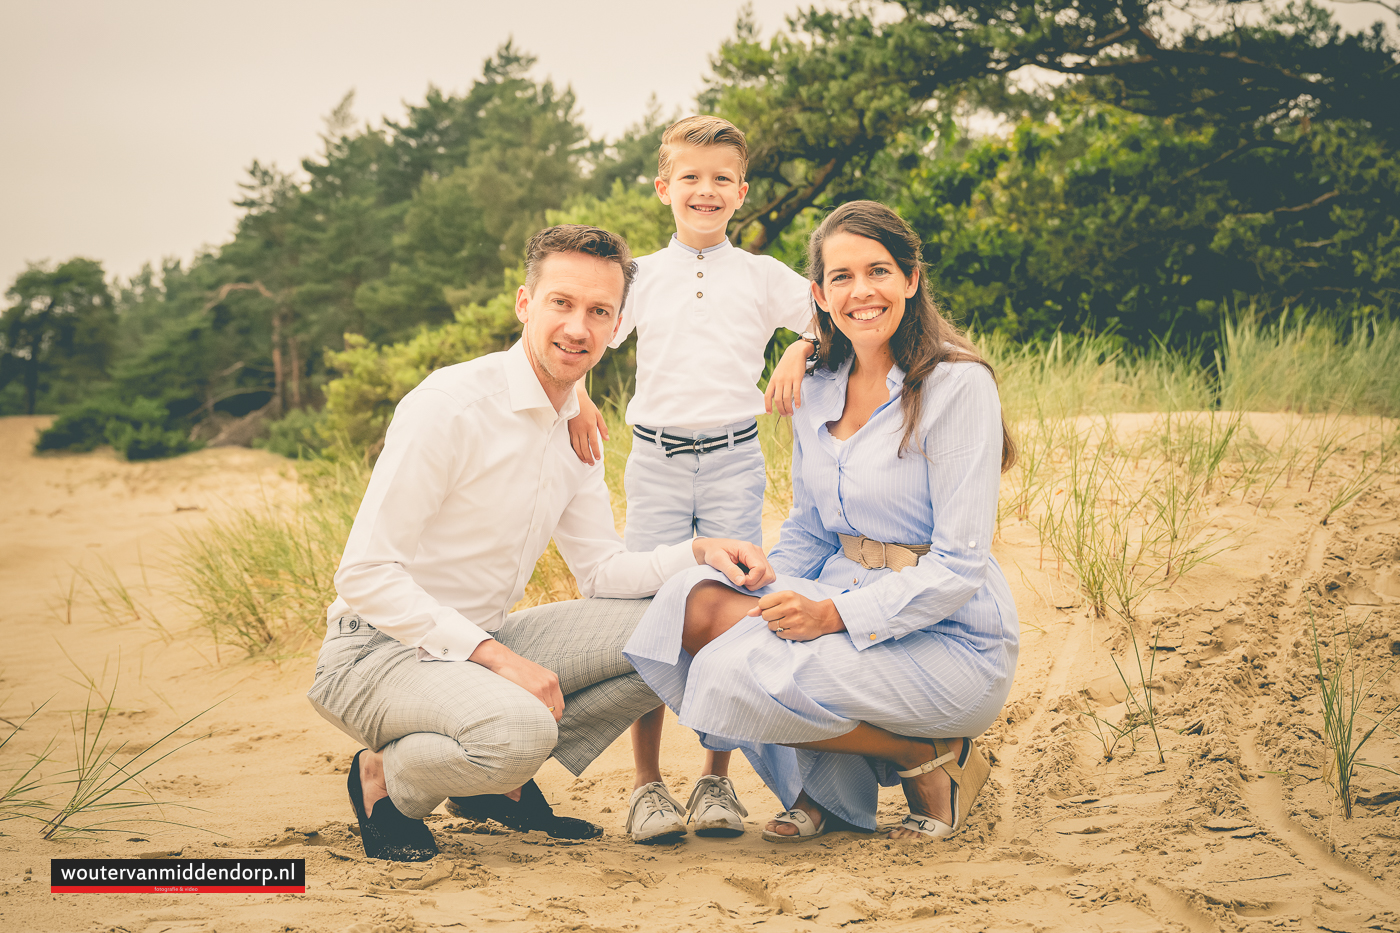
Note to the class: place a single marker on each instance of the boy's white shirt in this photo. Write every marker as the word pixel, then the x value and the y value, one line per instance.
pixel 701 337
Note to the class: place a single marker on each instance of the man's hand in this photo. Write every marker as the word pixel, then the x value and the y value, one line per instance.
pixel 795 617
pixel 541 681
pixel 784 392
pixel 586 427
pixel 740 561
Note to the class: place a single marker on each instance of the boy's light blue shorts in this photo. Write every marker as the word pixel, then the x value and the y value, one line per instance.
pixel 716 494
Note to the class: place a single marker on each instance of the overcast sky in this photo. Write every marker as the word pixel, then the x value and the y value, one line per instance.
pixel 127 125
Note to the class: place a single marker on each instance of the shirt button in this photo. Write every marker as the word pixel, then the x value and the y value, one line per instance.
pixel 699 255
pixel 972 544
pixel 855 581
pixel 699 275
pixel 699 294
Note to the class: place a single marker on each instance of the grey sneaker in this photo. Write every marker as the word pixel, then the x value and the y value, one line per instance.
pixel 654 815
pixel 715 808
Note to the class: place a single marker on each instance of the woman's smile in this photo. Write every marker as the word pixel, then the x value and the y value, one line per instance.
pixel 867 314
pixel 864 290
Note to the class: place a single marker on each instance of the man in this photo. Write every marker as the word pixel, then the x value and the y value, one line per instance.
pixel 452 696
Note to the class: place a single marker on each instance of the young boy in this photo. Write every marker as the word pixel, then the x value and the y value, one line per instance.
pixel 704 312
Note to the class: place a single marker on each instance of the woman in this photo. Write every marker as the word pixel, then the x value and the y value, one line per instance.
pixel 890 637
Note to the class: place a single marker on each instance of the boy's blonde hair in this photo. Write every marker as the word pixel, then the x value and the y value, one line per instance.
pixel 701 131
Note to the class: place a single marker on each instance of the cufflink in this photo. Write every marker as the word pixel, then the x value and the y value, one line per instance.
pixel 872 636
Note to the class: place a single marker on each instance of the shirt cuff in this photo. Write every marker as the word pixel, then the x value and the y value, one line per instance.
pixel 865 621
pixel 673 558
pixel 456 644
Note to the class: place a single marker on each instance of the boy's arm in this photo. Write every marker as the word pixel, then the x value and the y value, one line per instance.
pixel 790 305
pixel 784 392
pixel 582 428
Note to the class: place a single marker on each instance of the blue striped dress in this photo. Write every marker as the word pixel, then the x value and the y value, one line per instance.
pixel 929 651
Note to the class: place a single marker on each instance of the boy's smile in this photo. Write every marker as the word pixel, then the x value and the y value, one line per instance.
pixel 703 192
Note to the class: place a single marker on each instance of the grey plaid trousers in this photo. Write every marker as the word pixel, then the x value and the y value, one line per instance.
pixel 453 728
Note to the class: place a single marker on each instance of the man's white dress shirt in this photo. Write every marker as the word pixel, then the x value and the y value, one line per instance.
pixel 703 320
pixel 476 476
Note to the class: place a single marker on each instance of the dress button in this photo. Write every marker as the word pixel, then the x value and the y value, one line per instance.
pixel 699 275
pixel 699 294
pixel 699 255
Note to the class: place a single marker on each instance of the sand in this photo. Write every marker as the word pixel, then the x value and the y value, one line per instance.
pixel 1236 830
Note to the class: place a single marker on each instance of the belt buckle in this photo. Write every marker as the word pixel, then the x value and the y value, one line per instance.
pixel 680 445
pixel 866 555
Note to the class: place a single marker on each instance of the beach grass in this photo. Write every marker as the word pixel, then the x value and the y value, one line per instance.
pixel 22 789
pixel 105 781
pixel 1345 684
pixel 261 578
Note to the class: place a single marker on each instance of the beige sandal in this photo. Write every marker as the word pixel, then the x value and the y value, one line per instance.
pixel 967 771
pixel 806 829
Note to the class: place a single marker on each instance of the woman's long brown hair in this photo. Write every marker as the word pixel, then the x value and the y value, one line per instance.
pixel 924 339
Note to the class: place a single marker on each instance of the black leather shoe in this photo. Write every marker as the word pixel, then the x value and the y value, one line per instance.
pixel 531 812
pixel 388 834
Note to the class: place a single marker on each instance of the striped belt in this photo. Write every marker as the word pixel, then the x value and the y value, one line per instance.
pixel 872 555
pixel 673 444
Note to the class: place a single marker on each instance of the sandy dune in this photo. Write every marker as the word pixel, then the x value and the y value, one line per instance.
pixel 1235 831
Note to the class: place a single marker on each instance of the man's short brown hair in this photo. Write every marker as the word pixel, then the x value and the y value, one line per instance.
pixel 579 238
pixel 701 131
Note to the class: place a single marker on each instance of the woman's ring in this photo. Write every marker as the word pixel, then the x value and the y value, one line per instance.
pixel 550 708
pixel 777 630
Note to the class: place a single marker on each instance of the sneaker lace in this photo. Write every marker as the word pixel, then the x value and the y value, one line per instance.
pixel 715 790
pixel 654 798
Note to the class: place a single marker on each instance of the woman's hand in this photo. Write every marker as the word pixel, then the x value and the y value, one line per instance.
pixel 795 617
pixel 586 427
pixel 784 392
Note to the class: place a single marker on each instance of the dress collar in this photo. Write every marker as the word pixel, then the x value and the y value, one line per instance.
pixel 830 398
pixel 526 392
pixel 708 251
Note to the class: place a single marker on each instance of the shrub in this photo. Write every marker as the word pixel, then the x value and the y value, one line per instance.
pixel 147 441
pixel 141 429
pixel 374 378
pixel 298 434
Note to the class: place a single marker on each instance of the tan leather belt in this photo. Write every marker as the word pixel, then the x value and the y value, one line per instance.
pixel 872 555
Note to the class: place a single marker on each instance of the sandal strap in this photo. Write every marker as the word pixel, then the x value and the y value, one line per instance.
pixel 800 819
pixel 929 826
pixel 928 766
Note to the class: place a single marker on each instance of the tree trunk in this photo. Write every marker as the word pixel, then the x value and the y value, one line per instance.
pixel 295 371
pixel 31 380
pixel 277 361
